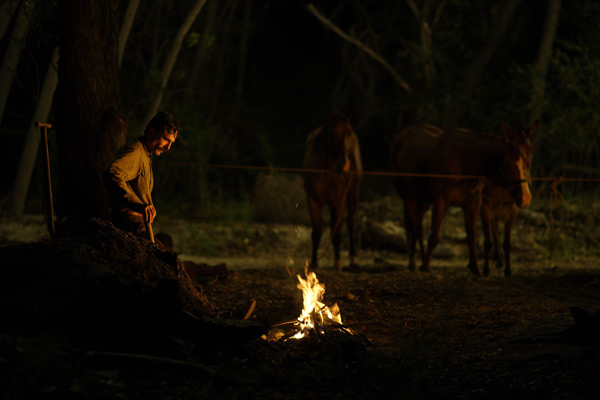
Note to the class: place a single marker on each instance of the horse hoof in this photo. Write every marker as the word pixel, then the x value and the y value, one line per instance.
pixel 425 269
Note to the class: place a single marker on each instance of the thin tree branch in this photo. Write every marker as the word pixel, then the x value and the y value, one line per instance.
pixel 438 14
pixel 361 46
pixel 126 26
pixel 414 9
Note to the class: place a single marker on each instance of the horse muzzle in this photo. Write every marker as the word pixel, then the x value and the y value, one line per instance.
pixel 522 194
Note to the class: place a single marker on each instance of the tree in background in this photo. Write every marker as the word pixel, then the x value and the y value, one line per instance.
pixel 88 120
pixel 171 57
pixel 20 188
pixel 13 51
pixel 252 78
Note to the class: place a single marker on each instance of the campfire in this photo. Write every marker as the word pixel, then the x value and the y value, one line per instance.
pixel 316 318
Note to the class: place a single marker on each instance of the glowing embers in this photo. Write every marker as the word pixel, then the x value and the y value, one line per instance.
pixel 316 318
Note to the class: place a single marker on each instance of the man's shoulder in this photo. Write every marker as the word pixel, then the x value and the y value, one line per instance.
pixel 131 146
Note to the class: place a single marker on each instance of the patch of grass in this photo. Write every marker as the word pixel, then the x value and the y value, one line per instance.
pixel 566 245
pixel 236 211
pixel 201 241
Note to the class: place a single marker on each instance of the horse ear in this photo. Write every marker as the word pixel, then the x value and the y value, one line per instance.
pixel 507 132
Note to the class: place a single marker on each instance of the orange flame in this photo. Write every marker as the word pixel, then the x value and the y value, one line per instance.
pixel 315 315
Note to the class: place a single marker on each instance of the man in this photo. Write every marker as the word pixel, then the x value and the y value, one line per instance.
pixel 129 179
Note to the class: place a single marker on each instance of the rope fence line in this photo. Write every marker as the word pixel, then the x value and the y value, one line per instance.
pixel 556 198
pixel 560 179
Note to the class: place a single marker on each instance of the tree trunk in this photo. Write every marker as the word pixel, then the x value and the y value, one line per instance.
pixel 544 53
pixel 426 29
pixel 485 56
pixel 202 52
pixel 13 53
pixel 539 79
pixel 221 63
pixel 89 124
pixel 126 26
pixel 23 178
pixel 475 71
pixel 172 57
pixel 243 50
pixel 7 10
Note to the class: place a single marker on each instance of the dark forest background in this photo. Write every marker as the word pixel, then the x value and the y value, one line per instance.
pixel 252 78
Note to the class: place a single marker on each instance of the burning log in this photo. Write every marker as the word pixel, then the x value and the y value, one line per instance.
pixel 316 319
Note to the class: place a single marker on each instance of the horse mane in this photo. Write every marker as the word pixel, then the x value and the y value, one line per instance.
pixel 324 142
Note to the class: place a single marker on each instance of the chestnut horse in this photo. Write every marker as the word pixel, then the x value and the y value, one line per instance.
pixel 464 168
pixel 333 155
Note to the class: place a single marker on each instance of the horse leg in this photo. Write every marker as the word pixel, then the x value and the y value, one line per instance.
pixel 440 206
pixel 508 224
pixel 337 213
pixel 410 212
pixel 486 224
pixel 421 210
pixel 495 230
pixel 352 204
pixel 471 213
pixel 314 209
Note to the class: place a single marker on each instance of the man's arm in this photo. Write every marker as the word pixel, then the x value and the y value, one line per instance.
pixel 124 167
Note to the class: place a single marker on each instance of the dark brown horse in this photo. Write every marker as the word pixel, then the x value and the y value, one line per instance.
pixel 334 151
pixel 463 165
pixel 410 153
pixel 499 205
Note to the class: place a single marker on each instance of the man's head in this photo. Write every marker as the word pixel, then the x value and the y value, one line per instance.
pixel 160 133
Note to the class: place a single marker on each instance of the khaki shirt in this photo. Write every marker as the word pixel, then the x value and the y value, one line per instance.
pixel 129 179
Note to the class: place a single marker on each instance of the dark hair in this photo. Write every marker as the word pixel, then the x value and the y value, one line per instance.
pixel 161 121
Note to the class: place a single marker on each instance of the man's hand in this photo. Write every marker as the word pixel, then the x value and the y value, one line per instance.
pixel 149 213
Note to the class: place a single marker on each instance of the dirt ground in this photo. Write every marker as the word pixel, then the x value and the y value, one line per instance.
pixel 444 334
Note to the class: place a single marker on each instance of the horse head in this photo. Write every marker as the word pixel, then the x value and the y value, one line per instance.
pixel 516 162
pixel 336 134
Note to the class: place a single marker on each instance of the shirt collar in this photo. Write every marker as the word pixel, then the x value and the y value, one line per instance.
pixel 141 139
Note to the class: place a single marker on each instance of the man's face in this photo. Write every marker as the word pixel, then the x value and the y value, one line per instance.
pixel 160 141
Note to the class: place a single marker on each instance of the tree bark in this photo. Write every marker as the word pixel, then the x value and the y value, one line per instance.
pixel 126 26
pixel 539 78
pixel 243 50
pixel 23 178
pixel 476 69
pixel 172 57
pixel 7 10
pixel 426 29
pixel 485 56
pixel 544 53
pixel 89 124
pixel 202 51
pixel 13 53
pixel 221 63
